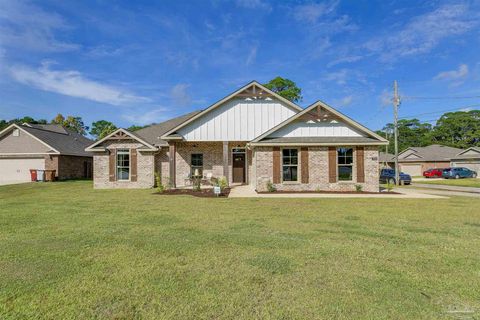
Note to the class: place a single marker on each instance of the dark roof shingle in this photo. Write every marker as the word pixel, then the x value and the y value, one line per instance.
pixel 152 134
pixel 61 139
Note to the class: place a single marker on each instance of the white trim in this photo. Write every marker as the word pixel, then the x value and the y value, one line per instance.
pixel 219 103
pixel 330 109
pixel 313 144
pixel 129 165
pixel 26 153
pixel 28 133
pixel 476 149
pixel 353 165
pixel 134 137
pixel 298 166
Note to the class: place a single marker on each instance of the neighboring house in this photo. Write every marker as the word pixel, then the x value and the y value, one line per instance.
pixel 252 136
pixel 416 160
pixel 43 147
pixel 386 160
pixel 468 158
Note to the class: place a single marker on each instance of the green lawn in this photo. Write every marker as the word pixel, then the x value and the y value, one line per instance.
pixel 471 182
pixel 70 252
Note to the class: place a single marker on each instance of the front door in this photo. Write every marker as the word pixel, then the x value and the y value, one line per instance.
pixel 238 168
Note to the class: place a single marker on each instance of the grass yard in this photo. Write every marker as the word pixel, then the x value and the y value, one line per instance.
pixel 70 252
pixel 467 182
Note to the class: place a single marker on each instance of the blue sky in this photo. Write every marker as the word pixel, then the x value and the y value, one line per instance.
pixel 134 62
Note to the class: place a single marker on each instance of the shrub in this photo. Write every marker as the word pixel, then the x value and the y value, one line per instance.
pixel 271 186
pixel 158 183
pixel 358 188
pixel 197 183
pixel 222 183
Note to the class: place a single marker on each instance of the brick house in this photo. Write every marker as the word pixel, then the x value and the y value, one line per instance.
pixel 416 160
pixel 43 147
pixel 253 136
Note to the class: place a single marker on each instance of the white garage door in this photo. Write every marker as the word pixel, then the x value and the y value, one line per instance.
pixel 18 170
pixel 412 169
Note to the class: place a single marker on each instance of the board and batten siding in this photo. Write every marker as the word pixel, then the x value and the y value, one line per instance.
pixel 237 120
pixel 316 129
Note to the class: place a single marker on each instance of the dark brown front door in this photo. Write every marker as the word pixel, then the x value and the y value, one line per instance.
pixel 238 168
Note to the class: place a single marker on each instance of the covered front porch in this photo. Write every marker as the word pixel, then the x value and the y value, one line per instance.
pixel 208 161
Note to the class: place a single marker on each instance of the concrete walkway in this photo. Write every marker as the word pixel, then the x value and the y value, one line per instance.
pixel 445 187
pixel 246 191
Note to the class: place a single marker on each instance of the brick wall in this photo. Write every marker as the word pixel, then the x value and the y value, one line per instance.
pixel 162 165
pixel 318 171
pixel 69 167
pixel 145 167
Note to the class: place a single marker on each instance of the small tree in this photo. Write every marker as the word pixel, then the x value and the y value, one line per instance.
pixel 285 88
pixel 102 128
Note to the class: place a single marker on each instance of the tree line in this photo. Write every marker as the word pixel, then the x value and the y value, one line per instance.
pixel 98 129
pixel 460 129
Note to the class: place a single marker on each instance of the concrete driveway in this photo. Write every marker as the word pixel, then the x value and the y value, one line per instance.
pixel 446 187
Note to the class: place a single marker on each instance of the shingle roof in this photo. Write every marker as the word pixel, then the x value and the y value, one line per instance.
pixel 468 156
pixel 386 157
pixel 152 133
pixel 434 152
pixel 61 139
pixel 327 140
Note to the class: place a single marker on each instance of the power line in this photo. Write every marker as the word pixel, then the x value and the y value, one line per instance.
pixel 440 111
pixel 440 98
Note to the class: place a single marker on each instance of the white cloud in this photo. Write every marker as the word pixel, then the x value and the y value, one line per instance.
pixel 72 83
pixel 313 11
pixel 424 32
pixel 339 77
pixel 252 55
pixel 459 74
pixel 348 59
pixel 345 101
pixel 254 4
pixel 104 51
pixel 148 117
pixel 26 26
pixel 180 96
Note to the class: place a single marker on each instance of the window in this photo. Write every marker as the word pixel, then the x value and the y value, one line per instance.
pixel 16 133
pixel 197 164
pixel 123 164
pixel 289 164
pixel 345 164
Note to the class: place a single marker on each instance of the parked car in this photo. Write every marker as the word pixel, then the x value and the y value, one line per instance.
pixel 388 176
pixel 433 173
pixel 458 172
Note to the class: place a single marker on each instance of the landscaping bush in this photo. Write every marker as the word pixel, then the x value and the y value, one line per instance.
pixel 271 186
pixel 222 183
pixel 358 188
pixel 158 183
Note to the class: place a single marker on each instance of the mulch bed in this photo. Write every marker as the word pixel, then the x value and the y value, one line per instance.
pixel 203 193
pixel 328 192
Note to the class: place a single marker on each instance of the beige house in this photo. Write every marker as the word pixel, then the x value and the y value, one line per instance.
pixel 43 147
pixel 253 136
pixel 416 160
pixel 468 158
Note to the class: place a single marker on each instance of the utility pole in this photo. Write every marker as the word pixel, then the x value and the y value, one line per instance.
pixel 396 103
